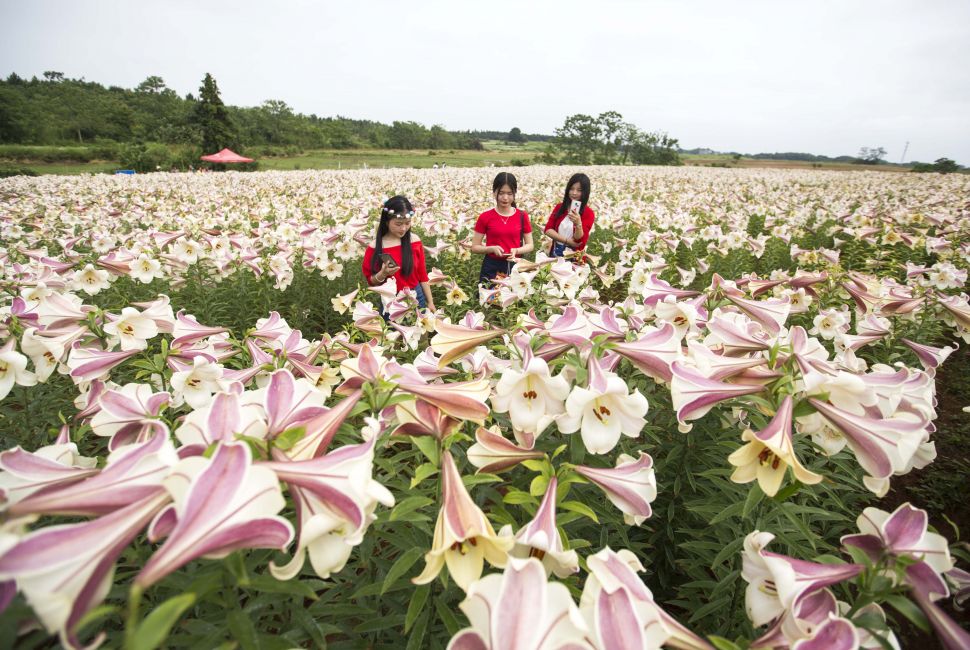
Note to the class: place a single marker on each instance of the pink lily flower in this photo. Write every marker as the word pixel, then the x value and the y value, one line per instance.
pixel 520 610
pixel 65 571
pixel 419 418
pixel 367 367
pixel 88 364
pixel 621 610
pixel 777 583
pixel 693 394
pixel 881 445
pixel 335 499
pixel 655 290
pixel 736 334
pixel 958 308
pixel 800 622
pixel 188 329
pixel 834 634
pixel 904 534
pixel 541 539
pixel 160 311
pixel 464 400
pixel 654 352
pixel 129 414
pixel 493 452
pixel 220 505
pixel 132 473
pixel 228 415
pixel 25 473
pixel 771 313
pixel 631 486
pixel 320 430
pixel 58 311
pixel 929 356
pixel 720 366
pixel 950 634
pixel 452 342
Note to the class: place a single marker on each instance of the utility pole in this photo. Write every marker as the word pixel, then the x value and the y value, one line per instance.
pixel 902 159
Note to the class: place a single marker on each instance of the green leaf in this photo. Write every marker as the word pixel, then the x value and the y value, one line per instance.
pixel 379 623
pixel 447 617
pixel 721 643
pixel 475 479
pixel 910 610
pixel 401 566
pixel 538 485
pixel 422 472
pixel 518 497
pixel 418 600
pixel 755 495
pixel 153 631
pixel 580 508
pixel 428 447
pixel 290 437
pixel 535 464
pixel 417 634
pixel 242 629
pixel 802 408
pixel 270 585
pixel 409 505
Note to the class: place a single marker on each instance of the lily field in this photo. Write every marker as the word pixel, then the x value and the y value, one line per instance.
pixel 711 431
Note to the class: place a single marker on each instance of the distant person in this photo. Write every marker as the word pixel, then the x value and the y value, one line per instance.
pixel 397 253
pixel 571 221
pixel 502 234
pixel 434 166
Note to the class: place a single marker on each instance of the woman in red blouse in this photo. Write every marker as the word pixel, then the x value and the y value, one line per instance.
pixel 502 234
pixel 398 253
pixel 568 227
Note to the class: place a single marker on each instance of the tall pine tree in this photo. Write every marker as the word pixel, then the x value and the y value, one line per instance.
pixel 212 119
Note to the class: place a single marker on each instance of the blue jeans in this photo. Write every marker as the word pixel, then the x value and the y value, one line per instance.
pixel 422 302
pixel 492 267
pixel 558 249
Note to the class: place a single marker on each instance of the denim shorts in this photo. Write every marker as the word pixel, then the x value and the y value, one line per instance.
pixel 492 267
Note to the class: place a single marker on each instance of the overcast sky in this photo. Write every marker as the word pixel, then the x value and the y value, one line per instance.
pixel 822 76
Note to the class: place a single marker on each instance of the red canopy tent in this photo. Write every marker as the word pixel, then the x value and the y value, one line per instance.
pixel 226 156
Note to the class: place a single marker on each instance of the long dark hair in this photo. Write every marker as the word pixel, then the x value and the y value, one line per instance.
pixel 505 178
pixel 396 206
pixel 583 181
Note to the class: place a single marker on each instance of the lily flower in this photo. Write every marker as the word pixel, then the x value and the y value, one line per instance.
pixel 87 364
pixel 129 414
pixel 520 610
pixel 452 342
pixel 929 356
pixel 540 538
pixel 693 394
pixel 464 400
pixel 24 472
pixel 196 384
pixel 904 534
pixel 769 453
pixel 227 416
pixel 654 352
pixel 188 330
pixel 631 486
pixel 777 583
pixel 771 313
pixel 13 369
pixel 619 606
pixel 220 505
pixel 418 418
pixel 335 499
pixel 463 536
pixel 132 473
pixel 131 328
pixel 493 452
pixel 604 410
pixel 65 571
pixel 529 394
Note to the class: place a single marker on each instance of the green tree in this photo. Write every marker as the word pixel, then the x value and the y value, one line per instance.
pixel 152 84
pixel 515 135
pixel 871 155
pixel 578 139
pixel 212 119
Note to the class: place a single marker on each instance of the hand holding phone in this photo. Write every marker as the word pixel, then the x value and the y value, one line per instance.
pixel 576 206
pixel 387 261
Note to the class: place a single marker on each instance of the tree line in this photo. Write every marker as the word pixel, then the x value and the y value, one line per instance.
pixel 606 140
pixel 57 110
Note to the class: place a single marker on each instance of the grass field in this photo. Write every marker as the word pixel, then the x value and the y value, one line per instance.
pixel 496 152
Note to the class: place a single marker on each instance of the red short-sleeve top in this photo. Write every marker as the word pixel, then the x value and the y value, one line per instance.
pixel 419 272
pixel 587 218
pixel 503 231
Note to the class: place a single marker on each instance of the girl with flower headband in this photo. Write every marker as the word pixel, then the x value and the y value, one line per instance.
pixel 397 253
pixel 502 234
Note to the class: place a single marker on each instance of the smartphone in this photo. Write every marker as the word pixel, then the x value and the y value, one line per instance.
pixel 387 259
pixel 576 206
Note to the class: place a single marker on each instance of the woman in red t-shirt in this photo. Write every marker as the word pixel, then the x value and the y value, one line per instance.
pixel 396 252
pixel 567 226
pixel 502 234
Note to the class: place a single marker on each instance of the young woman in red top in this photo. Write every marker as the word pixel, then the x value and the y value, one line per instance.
pixel 569 228
pixel 502 234
pixel 398 253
